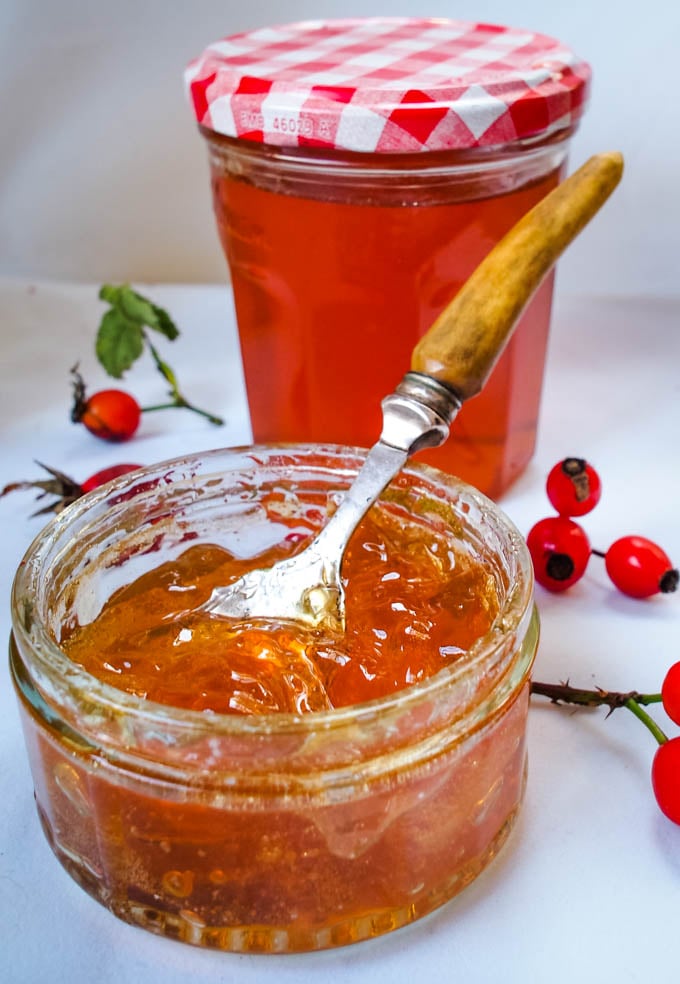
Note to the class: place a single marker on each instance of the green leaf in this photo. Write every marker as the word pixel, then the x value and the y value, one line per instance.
pixel 119 342
pixel 139 309
pixel 135 307
pixel 109 293
pixel 165 323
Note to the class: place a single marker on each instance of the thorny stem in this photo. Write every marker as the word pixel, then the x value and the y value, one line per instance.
pixel 562 693
pixel 177 399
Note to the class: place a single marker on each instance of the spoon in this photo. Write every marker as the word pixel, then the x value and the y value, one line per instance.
pixel 450 364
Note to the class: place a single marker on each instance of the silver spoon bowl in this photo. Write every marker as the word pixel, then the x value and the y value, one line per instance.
pixel 307 587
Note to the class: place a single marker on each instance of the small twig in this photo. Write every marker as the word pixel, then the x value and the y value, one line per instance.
pixel 633 700
pixel 563 693
pixel 177 399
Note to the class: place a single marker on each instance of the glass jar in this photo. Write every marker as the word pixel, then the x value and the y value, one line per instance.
pixel 277 832
pixel 346 235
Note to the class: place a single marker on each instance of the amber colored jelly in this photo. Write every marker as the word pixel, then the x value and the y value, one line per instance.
pixel 334 285
pixel 414 604
pixel 259 788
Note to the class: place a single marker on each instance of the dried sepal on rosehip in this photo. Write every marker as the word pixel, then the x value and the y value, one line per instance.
pixel 560 551
pixel 573 487
pixel 64 488
pixel 640 568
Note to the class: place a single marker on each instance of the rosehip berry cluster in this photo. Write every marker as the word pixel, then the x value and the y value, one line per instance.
pixel 560 548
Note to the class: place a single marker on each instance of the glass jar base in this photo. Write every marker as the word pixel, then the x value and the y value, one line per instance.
pixel 187 927
pixel 275 832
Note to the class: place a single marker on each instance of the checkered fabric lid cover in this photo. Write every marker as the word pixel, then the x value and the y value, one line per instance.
pixel 387 85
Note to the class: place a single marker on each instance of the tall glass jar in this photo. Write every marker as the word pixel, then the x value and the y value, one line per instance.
pixel 276 832
pixel 352 211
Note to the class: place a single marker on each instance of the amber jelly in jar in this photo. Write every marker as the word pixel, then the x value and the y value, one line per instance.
pixel 361 170
pixel 251 826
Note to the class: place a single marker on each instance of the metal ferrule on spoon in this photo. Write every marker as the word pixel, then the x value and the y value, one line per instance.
pixel 450 364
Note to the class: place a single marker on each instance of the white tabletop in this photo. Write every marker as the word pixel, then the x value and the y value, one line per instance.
pixel 588 886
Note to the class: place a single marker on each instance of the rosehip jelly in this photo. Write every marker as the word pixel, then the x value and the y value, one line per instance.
pixel 259 787
pixel 361 170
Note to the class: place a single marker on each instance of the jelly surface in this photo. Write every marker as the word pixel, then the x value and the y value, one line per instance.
pixel 414 603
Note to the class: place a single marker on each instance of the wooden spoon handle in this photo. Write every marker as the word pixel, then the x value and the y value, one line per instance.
pixel 463 344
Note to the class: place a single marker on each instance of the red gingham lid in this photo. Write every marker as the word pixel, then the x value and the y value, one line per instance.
pixel 387 85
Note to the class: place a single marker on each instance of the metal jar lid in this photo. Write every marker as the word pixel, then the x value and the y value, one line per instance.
pixel 388 85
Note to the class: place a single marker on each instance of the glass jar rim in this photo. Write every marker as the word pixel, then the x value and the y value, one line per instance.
pixel 51 660
pixel 487 156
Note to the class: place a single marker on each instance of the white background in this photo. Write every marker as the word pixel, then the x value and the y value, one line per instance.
pixel 104 177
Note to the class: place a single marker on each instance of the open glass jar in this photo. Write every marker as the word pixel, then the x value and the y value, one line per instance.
pixel 271 832
pixel 361 170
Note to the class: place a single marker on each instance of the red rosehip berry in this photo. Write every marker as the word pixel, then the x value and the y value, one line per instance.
pixel 560 550
pixel 666 778
pixel 112 414
pixel 640 568
pixel 106 475
pixel 670 693
pixel 573 487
